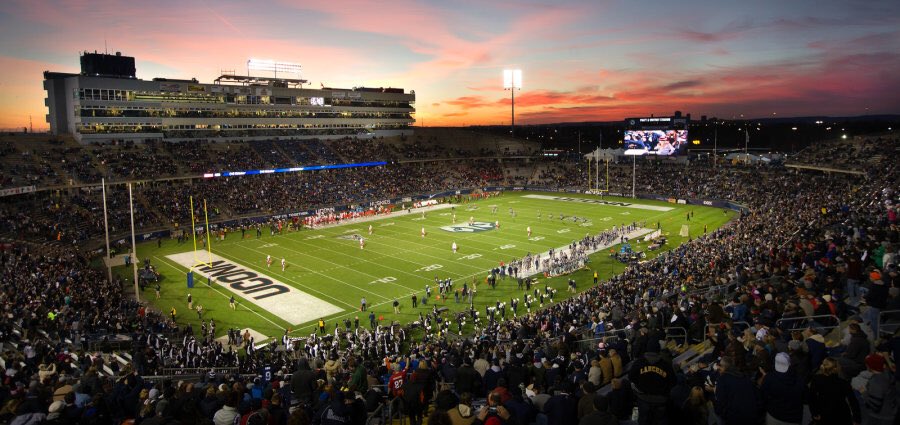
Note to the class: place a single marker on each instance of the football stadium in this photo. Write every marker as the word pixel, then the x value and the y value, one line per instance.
pixel 250 249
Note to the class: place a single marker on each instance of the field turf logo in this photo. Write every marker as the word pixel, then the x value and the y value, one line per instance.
pixel 255 287
pixel 478 226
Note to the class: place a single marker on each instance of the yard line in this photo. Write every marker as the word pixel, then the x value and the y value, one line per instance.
pixel 327 276
pixel 349 268
pixel 237 260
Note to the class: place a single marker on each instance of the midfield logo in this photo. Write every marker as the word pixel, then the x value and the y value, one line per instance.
pixel 478 226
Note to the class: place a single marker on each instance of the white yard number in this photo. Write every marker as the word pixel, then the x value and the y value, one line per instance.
pixel 309 238
pixel 269 245
pixel 430 268
pixel 507 246
pixel 536 238
pixel 606 219
pixel 470 256
pixel 588 224
pixel 562 231
pixel 388 279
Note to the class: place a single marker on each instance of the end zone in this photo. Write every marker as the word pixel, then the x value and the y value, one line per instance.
pixel 284 301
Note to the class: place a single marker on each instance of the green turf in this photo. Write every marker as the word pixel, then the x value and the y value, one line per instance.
pixel 337 271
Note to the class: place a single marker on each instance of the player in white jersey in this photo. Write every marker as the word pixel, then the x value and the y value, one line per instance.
pixel 423 232
pixel 283 264
pixel 370 229
pixel 497 224
pixel 454 247
pixel 362 243
pixel 268 261
pixel 529 231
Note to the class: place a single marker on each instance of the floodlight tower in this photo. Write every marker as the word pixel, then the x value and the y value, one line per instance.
pixel 512 81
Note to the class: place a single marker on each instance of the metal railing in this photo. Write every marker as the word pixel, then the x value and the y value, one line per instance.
pixel 803 322
pixel 172 371
pixel 890 325
pixel 681 334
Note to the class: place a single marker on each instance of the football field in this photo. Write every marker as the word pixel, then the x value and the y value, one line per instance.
pixel 326 273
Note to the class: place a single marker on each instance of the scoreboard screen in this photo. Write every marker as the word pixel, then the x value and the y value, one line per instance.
pixel 655 142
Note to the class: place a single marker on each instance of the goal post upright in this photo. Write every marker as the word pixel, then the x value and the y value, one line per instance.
pixel 197 260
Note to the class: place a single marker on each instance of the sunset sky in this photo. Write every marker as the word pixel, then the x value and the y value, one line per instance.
pixel 581 60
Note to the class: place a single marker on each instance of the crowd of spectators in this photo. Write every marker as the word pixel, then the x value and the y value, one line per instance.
pixel 806 244
pixel 855 153
pixel 130 161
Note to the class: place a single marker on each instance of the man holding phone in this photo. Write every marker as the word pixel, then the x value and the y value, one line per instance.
pixel 493 413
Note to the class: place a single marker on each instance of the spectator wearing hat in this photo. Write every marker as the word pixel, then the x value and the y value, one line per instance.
pixel 876 300
pixel 782 393
pixel 331 368
pixel 880 405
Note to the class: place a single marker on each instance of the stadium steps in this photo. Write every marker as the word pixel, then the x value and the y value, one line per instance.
pixel 269 152
pixel 119 359
pixel 284 154
pixel 326 154
pixel 297 153
pixel 692 355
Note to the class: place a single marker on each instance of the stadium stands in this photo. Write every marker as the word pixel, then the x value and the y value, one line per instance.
pixel 785 299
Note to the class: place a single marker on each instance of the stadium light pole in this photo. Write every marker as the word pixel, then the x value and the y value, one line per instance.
pixel 633 174
pixel 106 229
pixel 746 143
pixel 137 293
pixel 716 144
pixel 512 80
